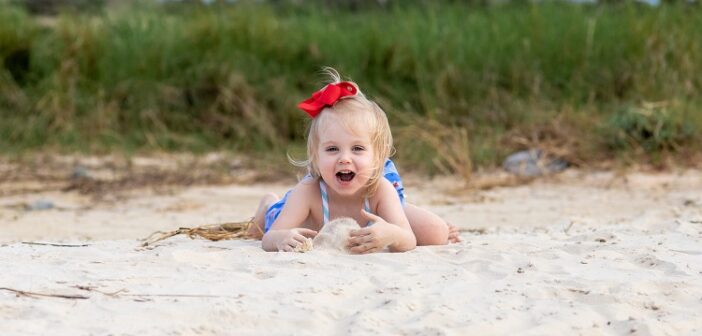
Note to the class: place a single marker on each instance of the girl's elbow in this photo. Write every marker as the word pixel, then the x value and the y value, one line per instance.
pixel 409 245
pixel 403 248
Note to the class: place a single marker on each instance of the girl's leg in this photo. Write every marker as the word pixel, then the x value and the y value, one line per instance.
pixel 429 228
pixel 259 220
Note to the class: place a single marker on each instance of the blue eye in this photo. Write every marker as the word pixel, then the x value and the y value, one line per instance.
pixel 332 149
pixel 358 148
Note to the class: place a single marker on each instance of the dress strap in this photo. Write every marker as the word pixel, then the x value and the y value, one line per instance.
pixel 366 206
pixel 325 201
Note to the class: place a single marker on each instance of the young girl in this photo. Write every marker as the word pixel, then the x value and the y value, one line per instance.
pixel 350 175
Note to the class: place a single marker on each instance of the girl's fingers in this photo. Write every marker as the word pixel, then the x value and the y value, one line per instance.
pixel 373 250
pixel 300 238
pixel 291 243
pixel 359 232
pixel 364 248
pixel 358 240
pixel 351 242
pixel 358 249
pixel 369 216
pixel 307 232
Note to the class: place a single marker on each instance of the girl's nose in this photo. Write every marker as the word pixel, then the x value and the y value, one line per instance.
pixel 344 159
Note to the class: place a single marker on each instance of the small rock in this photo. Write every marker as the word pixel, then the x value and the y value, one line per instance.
pixel 39 205
pixel 533 162
pixel 79 172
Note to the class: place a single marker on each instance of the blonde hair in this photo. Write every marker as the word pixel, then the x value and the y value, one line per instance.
pixel 355 113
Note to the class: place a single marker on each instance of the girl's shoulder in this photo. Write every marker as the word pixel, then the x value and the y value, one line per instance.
pixel 305 194
pixel 308 186
pixel 385 190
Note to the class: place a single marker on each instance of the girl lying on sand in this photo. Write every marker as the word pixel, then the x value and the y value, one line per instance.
pixel 349 175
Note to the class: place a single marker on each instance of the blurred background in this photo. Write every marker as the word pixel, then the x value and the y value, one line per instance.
pixel 465 83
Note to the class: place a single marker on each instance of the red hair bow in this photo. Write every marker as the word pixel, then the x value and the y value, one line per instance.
pixel 327 96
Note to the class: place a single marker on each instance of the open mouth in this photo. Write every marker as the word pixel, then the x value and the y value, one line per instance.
pixel 345 175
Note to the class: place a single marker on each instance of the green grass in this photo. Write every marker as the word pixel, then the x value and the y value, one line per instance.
pixel 489 79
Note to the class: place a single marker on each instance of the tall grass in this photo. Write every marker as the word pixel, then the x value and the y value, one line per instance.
pixel 489 80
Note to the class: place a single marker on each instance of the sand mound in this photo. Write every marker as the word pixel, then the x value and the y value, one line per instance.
pixel 334 235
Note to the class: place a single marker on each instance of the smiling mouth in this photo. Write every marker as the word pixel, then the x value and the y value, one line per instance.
pixel 345 175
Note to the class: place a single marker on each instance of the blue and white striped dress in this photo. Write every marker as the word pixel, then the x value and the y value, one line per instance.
pixel 389 172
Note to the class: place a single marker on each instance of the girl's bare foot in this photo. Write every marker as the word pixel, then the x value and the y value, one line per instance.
pixel 454 235
pixel 259 221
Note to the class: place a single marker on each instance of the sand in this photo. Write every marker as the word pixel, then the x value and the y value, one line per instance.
pixel 583 253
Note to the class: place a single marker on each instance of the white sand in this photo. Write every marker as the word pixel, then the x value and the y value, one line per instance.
pixel 334 235
pixel 590 254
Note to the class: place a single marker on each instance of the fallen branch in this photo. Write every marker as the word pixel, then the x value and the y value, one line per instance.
pixel 183 295
pixel 94 289
pixel 56 244
pixel 214 232
pixel 123 292
pixel 34 294
pixel 566 227
pixel 116 294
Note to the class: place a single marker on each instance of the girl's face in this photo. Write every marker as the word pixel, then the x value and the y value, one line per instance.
pixel 345 157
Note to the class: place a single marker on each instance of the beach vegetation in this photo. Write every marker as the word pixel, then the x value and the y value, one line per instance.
pixel 464 83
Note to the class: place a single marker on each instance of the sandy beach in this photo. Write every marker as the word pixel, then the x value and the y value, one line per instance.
pixel 580 253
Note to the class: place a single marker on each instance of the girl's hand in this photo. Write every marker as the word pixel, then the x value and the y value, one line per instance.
pixel 293 238
pixel 372 238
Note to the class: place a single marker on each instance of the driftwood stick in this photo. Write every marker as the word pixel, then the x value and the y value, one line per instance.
pixel 150 240
pixel 214 232
pixel 116 294
pixel 55 244
pixel 94 289
pixel 183 295
pixel 123 292
pixel 33 294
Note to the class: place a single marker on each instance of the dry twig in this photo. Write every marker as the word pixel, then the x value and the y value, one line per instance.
pixel 33 294
pixel 214 232
pixel 117 294
pixel 94 289
pixel 56 244
pixel 125 293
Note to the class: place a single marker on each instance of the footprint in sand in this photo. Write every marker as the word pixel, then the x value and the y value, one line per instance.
pixel 650 261
pixel 262 275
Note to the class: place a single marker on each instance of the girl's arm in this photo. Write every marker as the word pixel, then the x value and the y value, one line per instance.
pixel 390 228
pixel 286 232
